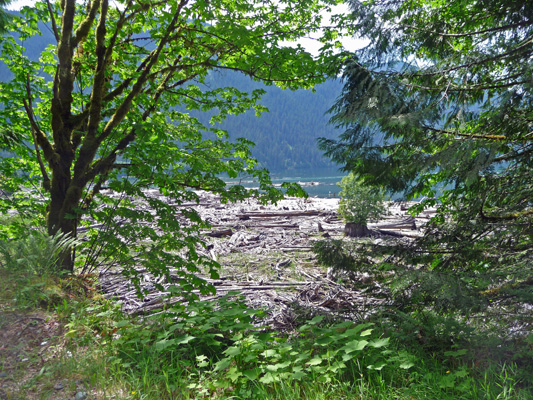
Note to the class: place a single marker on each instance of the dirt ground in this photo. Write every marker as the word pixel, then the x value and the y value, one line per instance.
pixel 35 362
pixel 28 343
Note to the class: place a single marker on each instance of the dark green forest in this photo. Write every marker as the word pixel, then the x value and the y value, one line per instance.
pixel 286 137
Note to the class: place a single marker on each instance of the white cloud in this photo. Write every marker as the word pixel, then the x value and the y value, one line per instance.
pixel 18 4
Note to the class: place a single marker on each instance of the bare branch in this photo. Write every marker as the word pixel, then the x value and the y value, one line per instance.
pixel 500 138
pixel 53 19
pixel 29 110
pixel 38 135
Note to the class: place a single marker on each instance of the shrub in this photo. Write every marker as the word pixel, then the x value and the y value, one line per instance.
pixel 360 203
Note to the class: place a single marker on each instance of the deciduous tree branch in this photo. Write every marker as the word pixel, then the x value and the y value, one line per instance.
pixel 53 19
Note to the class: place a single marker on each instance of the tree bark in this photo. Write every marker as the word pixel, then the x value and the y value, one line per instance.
pixel 353 229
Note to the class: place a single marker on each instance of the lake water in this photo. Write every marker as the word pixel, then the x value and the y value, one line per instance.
pixel 325 186
pixel 317 183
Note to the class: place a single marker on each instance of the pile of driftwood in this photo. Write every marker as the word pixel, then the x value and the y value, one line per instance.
pixel 287 230
pixel 292 224
pixel 284 302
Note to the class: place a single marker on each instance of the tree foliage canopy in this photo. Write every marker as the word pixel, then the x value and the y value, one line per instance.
pixel 99 109
pixel 439 106
pixel 360 203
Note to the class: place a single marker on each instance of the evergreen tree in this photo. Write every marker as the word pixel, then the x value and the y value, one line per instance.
pixel 4 16
pixel 439 106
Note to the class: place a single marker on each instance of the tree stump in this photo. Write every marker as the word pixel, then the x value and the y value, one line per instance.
pixel 353 229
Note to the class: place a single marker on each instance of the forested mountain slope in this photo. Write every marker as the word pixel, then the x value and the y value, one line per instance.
pixel 285 137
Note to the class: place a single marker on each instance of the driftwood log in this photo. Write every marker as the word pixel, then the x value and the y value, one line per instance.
pixel 220 233
pixel 407 223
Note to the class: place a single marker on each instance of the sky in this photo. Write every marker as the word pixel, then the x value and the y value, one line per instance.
pixel 310 45
pixel 15 5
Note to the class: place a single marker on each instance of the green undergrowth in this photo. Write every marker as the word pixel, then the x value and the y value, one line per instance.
pixel 221 349
pixel 218 349
pixel 27 268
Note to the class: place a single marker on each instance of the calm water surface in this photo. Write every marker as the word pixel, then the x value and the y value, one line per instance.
pixel 320 183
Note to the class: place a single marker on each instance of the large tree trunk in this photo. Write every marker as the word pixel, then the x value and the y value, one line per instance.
pixel 62 217
pixel 60 155
pixel 353 229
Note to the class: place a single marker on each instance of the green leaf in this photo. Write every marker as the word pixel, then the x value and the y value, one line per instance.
pixel 222 364
pixel 356 330
pixel 234 374
pixel 202 361
pixel 323 341
pixel 267 378
pixel 406 365
pixel 164 344
pixel 456 353
pixel 184 339
pixel 275 367
pixel 354 345
pixel 316 320
pixel 336 366
pixel 252 374
pixel 378 367
pixel 269 353
pixel 298 374
pixel 378 343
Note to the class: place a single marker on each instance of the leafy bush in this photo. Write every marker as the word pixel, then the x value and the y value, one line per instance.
pixel 219 349
pixel 359 203
pixel 222 342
